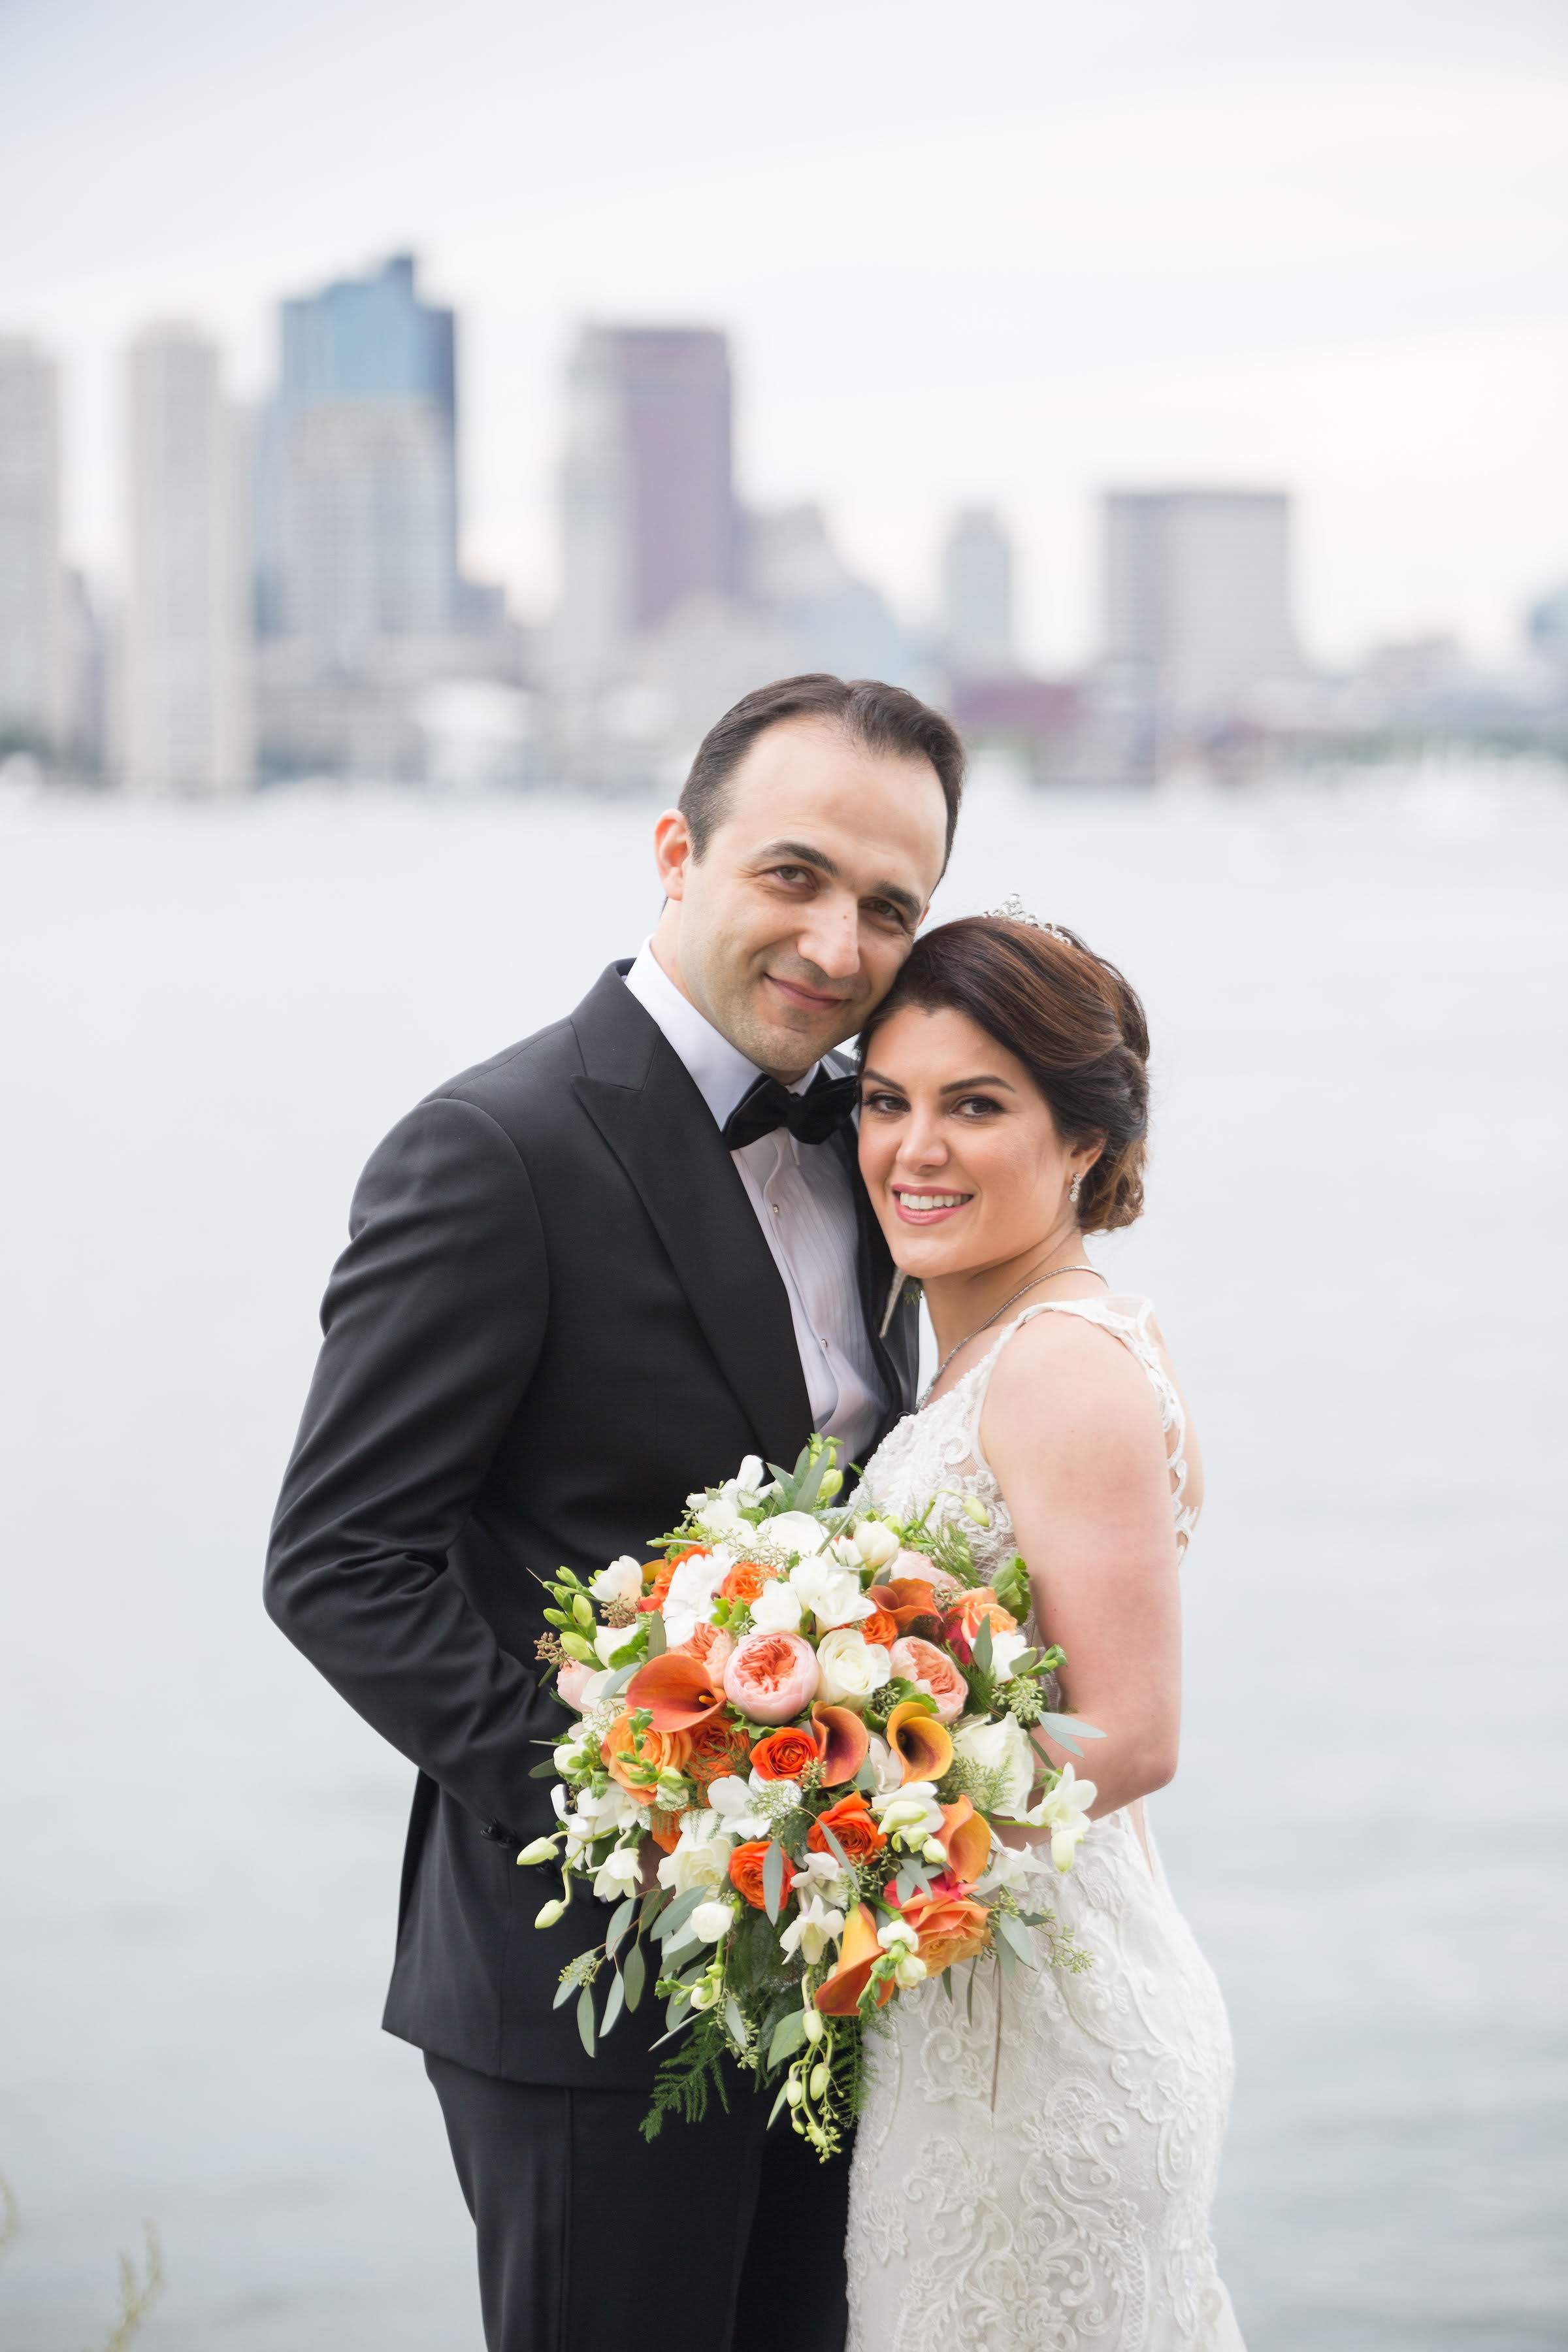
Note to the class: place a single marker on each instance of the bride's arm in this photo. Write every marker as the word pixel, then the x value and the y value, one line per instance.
pixel 1071 1429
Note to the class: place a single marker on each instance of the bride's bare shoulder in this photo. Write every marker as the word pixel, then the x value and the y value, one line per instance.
pixel 1064 1381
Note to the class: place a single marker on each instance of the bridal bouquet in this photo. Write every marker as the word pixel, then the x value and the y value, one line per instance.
pixel 816 1712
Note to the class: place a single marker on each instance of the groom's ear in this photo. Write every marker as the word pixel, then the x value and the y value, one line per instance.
pixel 672 852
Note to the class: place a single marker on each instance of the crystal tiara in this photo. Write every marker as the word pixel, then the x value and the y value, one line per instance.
pixel 1013 910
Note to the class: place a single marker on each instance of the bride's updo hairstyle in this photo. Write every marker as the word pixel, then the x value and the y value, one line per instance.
pixel 1069 1017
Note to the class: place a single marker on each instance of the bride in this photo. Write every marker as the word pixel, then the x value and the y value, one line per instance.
pixel 1039 2173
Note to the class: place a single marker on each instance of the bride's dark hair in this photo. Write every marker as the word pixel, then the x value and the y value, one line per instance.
pixel 1069 1017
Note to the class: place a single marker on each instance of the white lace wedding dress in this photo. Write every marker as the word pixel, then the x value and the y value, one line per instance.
pixel 1040 2179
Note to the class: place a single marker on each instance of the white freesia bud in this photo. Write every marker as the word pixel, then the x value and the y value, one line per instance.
pixel 843 1552
pixel 776 1608
pixel 931 1852
pixel 542 1849
pixel 793 2092
pixel 975 1509
pixel 819 2078
pixel 548 1916
pixel 831 1592
pixel 712 1921
pixel 851 1667
pixel 910 1970
pixel 704 1995
pixel 896 1935
pixel 812 2019
pixel 876 1543
pixel 622 1580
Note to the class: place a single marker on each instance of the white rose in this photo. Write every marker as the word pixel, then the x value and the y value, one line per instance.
pixel 876 1543
pixel 796 1531
pixel 1005 1747
pixel 850 1667
pixel 712 1921
pixel 622 1580
pixel 832 1594
pixel 618 1875
pixel 776 1608
pixel 701 1858
pixel 1006 1649
pixel 815 1926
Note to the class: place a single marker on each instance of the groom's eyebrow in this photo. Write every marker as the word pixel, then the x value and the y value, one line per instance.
pixel 804 853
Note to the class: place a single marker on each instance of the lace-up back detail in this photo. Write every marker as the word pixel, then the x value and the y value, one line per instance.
pixel 937 1451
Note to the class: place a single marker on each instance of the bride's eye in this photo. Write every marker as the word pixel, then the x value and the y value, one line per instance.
pixel 978 1105
pixel 886 1104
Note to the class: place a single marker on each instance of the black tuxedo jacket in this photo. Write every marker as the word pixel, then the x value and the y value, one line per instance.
pixel 557 1314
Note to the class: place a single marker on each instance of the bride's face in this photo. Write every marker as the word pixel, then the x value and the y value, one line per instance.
pixel 958 1147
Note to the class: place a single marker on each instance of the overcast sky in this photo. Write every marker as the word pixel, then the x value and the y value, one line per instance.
pixel 1007 249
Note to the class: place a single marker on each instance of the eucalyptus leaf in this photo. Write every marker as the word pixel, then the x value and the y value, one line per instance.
pixel 838 1854
pixel 778 2103
pixel 1014 1936
pixel 1062 1728
pixel 634 1975
pixel 678 1913
pixel 613 2001
pixel 973 1965
pixel 585 2018
pixel 679 2027
pixel 620 1920
pixel 982 1646
pixel 773 1879
pixel 734 2020
pixel 789 2035
pixel 545 1771
pixel 652 1905
pixel 657 1643
pixel 564 1993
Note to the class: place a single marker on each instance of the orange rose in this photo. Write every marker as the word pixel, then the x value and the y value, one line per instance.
pixel 661 1570
pixel 784 1754
pixel 717 1748
pixel 881 1626
pixel 746 1872
pixel 659 1748
pixel 745 1581
pixel 951 1925
pixel 853 1824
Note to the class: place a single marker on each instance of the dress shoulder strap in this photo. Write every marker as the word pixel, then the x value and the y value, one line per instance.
pixel 1131 1322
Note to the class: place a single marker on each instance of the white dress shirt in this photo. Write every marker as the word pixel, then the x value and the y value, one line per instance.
pixel 802 1197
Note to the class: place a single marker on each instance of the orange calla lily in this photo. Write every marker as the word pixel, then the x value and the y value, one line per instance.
pixel 910 1598
pixel 965 1840
pixel 843 1742
pixel 921 1744
pixel 859 1953
pixel 678 1691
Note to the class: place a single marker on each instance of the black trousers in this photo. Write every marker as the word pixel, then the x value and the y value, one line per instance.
pixel 591 2239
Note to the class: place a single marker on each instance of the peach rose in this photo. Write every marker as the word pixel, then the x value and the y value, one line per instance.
pixel 853 1824
pixel 746 1872
pixel 710 1648
pixel 933 1671
pixel 771 1676
pixel 881 1626
pixel 572 1683
pixel 783 1755
pixel 972 1609
pixel 659 1749
pixel 951 1925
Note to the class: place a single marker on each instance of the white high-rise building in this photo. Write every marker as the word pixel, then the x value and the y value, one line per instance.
pixel 32 578
pixel 1198 595
pixel 977 596
pixel 185 722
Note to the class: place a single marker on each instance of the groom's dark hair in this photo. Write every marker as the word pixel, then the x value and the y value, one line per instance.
pixel 883 718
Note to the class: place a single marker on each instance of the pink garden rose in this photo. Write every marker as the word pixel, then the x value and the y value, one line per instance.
pixel 771 1676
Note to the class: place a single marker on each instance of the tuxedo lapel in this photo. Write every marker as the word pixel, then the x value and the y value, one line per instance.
pixel 897 1346
pixel 640 1096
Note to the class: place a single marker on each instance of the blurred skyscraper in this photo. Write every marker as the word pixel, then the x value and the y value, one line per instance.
pixel 649 522
pixel 33 649
pixel 977 627
pixel 357 525
pixel 186 722
pixel 1197 590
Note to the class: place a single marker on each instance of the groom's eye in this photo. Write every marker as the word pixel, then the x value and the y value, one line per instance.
pixel 883 910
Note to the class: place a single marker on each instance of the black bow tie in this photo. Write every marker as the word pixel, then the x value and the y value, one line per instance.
pixel 811 1117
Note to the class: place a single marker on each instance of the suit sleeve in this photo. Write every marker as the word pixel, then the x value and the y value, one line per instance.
pixel 432 1324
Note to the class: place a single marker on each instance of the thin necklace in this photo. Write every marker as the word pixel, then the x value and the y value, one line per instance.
pixel 1033 1284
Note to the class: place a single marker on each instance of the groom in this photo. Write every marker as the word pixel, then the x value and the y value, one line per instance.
pixel 584 1279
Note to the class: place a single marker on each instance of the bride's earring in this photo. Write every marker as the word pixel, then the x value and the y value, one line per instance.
pixel 1075 1188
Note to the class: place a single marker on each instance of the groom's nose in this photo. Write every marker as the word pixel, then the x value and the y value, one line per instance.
pixel 830 938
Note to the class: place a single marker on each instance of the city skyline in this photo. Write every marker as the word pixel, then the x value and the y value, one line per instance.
pixel 1009 271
